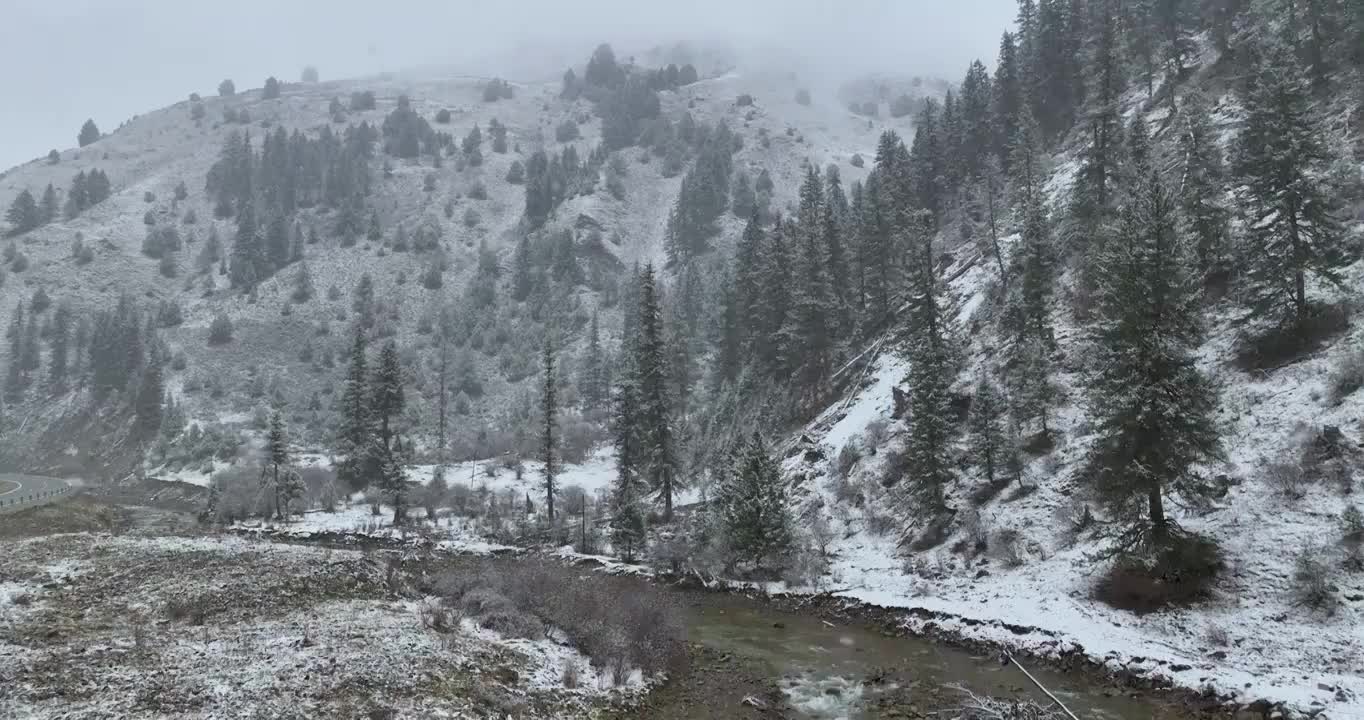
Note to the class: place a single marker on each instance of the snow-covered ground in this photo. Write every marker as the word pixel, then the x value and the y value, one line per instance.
pixel 1251 641
pixel 227 627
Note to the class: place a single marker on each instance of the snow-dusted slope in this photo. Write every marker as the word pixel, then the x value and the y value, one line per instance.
pixel 1252 641
pixel 150 154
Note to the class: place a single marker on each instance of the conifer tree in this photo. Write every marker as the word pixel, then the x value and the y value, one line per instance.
pixel 88 134
pixel 752 507
pixel 1202 190
pixel 59 340
pixel 811 299
pixel 47 207
pixel 928 460
pixel 629 488
pixel 594 385
pixel 655 404
pixel 1153 407
pixel 356 430
pixel 988 441
pixel 276 460
pixel 387 402
pixel 24 214
pixel 549 408
pixel 1291 215
pixel 151 391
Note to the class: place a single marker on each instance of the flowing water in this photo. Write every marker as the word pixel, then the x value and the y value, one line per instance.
pixel 834 672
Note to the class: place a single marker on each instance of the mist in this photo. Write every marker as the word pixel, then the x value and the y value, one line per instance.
pixel 111 60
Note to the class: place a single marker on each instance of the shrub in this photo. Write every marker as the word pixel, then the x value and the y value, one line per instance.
pixel 1291 340
pixel 19 263
pixel 1217 636
pixel 857 160
pixel 471 218
pixel 848 457
pixel 616 621
pixel 1352 524
pixel 566 131
pixel 363 100
pixel 220 332
pixel 443 116
pixel 516 174
pixel 271 90
pixel 875 435
pixel 1181 570
pixel 227 88
pixel 901 106
pixel 1287 478
pixel 1312 580
pixel 478 191
pixel 1347 375
pixel 744 100
pixel 803 96
pixel 191 608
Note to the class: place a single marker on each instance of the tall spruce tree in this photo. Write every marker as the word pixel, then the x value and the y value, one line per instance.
pixel 549 408
pixel 1202 192
pixel 1153 408
pixel 593 383
pixel 658 454
pixel 628 490
pixel 989 443
pixel 356 431
pixel 387 402
pixel 1293 230
pixel 928 455
pixel 60 342
pixel 752 507
pixel 276 460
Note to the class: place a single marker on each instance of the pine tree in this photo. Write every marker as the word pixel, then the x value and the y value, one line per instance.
pixel 276 460
pixel 549 408
pixel 1007 98
pixel 811 300
pixel 356 430
pixel 151 391
pixel 47 207
pixel 751 506
pixel 88 134
pixel 629 488
pixel 248 256
pixel 24 214
pixel 60 342
pixel 1202 192
pixel 1153 407
pixel 387 402
pixel 655 404
pixel 987 430
pixel 928 460
pixel 594 385
pixel 1293 229
pixel 775 348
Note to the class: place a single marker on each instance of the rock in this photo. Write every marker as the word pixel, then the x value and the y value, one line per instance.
pixel 587 222
pixel 779 625
pixel 754 702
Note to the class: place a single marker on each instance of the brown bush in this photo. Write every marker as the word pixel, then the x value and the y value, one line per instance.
pixel 1180 572
pixel 1291 340
pixel 613 620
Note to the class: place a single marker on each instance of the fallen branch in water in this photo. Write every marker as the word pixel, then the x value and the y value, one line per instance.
pixel 977 707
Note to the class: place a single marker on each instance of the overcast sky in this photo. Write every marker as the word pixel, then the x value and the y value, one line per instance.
pixel 111 59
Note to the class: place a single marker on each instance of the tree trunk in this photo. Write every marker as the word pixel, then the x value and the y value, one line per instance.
pixel 667 496
pixel 1157 506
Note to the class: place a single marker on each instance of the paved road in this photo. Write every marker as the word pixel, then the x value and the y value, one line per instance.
pixel 23 491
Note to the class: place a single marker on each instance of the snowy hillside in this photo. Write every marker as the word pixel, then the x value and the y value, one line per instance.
pixel 1021 564
pixel 291 352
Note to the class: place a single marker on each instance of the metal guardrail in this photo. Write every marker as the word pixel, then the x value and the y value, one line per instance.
pixel 34 497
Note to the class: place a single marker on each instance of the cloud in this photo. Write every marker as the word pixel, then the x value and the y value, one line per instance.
pixel 111 59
